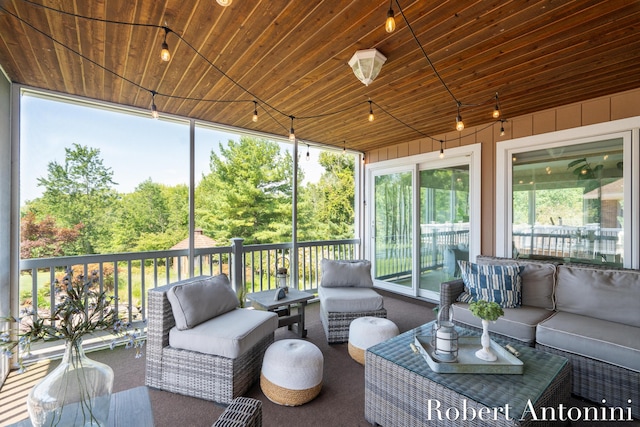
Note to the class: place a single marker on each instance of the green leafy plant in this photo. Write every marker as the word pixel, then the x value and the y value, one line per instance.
pixel 81 310
pixel 486 310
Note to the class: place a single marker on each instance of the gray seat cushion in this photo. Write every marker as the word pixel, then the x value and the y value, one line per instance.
pixel 609 342
pixel 349 300
pixel 517 323
pixel 228 335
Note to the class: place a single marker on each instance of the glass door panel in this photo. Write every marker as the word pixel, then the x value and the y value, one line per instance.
pixel 393 228
pixel 444 224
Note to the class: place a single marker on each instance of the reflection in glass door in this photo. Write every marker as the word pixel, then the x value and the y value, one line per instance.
pixel 444 224
pixel 393 228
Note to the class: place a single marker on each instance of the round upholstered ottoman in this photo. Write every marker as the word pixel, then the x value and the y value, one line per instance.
pixel 367 331
pixel 291 372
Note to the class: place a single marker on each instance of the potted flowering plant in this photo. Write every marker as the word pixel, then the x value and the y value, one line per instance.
pixel 79 388
pixel 487 312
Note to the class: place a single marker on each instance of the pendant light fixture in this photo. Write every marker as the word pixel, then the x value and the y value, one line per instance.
pixel 371 116
pixel 224 3
pixel 390 23
pixel 459 122
pixel 165 55
pixel 366 64
pixel 441 155
pixel 255 112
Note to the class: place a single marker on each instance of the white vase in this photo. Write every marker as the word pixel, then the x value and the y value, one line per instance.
pixel 77 392
pixel 485 353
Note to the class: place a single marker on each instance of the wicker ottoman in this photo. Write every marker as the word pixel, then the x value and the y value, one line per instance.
pixel 291 372
pixel 367 331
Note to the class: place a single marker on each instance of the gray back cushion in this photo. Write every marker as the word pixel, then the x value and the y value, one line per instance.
pixel 196 301
pixel 607 294
pixel 538 279
pixel 346 273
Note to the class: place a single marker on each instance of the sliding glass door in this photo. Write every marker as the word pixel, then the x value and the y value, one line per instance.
pixel 444 224
pixel 424 218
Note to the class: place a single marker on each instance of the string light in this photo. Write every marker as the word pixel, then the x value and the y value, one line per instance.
pixel 371 116
pixel 501 127
pixel 441 150
pixel 154 109
pixel 308 156
pixel 390 23
pixel 255 111
pixel 496 110
pixel 363 158
pixel 292 134
pixel 459 122
pixel 165 55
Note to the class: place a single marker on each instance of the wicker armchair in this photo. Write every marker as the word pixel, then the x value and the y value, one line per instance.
pixel 205 376
pixel 346 293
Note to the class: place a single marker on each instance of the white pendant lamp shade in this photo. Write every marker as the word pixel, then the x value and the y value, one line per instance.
pixel 366 64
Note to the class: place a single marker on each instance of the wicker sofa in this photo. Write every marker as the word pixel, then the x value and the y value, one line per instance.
pixel 216 359
pixel 346 293
pixel 588 314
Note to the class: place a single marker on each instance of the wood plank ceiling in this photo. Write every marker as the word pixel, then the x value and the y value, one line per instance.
pixel 291 57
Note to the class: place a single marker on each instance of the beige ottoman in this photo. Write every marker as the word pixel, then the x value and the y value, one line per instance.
pixel 291 372
pixel 365 332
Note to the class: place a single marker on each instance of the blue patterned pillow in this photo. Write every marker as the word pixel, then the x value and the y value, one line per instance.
pixel 497 283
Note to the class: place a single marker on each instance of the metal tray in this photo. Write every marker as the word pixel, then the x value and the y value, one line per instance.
pixel 467 362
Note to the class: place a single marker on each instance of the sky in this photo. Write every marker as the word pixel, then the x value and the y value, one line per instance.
pixel 135 147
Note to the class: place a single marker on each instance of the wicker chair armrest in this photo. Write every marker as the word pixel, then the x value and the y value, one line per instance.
pixel 449 292
pixel 243 411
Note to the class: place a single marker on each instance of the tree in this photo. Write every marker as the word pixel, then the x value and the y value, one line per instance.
pixel 80 192
pixel 42 239
pixel 331 200
pixel 248 193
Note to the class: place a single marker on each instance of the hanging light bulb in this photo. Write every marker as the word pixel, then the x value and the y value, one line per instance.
pixel 165 55
pixel 501 127
pixel 308 157
pixel 371 116
pixel 441 155
pixel 154 109
pixel 390 23
pixel 224 3
pixel 496 110
pixel 292 134
pixel 459 122
pixel 364 160
pixel 255 112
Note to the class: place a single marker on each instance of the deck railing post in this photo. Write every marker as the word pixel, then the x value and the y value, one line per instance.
pixel 237 263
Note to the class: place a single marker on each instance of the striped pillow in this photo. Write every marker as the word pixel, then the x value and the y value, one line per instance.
pixel 497 283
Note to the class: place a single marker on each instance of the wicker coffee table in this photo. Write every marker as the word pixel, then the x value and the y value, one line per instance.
pixel 401 389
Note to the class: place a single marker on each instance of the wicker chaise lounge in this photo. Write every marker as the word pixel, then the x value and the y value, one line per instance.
pixel 228 347
pixel 346 293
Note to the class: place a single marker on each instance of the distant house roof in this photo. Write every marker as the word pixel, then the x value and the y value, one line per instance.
pixel 200 240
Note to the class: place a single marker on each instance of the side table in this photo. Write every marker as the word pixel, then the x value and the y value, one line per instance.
pixel 265 300
pixel 127 407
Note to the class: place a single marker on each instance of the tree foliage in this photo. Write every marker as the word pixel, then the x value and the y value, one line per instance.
pixel 247 193
pixel 80 191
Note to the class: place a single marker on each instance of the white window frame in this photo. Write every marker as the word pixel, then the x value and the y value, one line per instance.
pixel 627 129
